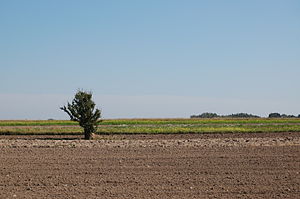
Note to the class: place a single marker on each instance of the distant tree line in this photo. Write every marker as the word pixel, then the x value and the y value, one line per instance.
pixel 206 115
pixel 242 115
pixel 214 115
pixel 278 115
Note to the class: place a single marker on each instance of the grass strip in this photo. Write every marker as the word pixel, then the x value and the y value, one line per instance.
pixel 153 122
pixel 163 129
pixel 198 129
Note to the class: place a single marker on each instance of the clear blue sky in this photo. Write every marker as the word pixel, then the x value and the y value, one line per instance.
pixel 158 58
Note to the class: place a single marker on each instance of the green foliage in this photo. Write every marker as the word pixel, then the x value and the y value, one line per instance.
pixel 274 115
pixel 82 110
pixel 242 115
pixel 278 115
pixel 287 116
pixel 206 115
pixel 214 115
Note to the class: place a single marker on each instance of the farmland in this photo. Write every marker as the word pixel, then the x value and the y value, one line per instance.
pixel 151 126
pixel 151 158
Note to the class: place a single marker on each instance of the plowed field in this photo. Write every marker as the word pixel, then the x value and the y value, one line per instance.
pixel 263 165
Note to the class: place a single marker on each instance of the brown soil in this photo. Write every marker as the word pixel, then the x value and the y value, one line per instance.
pixel 151 166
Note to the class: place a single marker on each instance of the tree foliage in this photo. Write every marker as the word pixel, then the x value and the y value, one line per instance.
pixel 278 115
pixel 214 115
pixel 206 115
pixel 243 115
pixel 82 110
pixel 274 115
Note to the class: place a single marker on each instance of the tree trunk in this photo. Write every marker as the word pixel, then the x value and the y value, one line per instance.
pixel 88 135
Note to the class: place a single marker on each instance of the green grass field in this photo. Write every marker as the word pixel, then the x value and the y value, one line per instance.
pixel 151 126
pixel 153 121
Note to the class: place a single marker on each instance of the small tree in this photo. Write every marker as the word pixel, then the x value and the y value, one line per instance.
pixel 82 110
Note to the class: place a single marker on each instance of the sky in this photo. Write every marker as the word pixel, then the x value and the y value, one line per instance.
pixel 158 58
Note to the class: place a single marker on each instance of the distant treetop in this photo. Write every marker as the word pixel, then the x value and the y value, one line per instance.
pixel 278 115
pixel 214 115
pixel 242 115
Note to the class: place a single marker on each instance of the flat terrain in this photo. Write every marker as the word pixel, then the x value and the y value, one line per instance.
pixel 257 165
